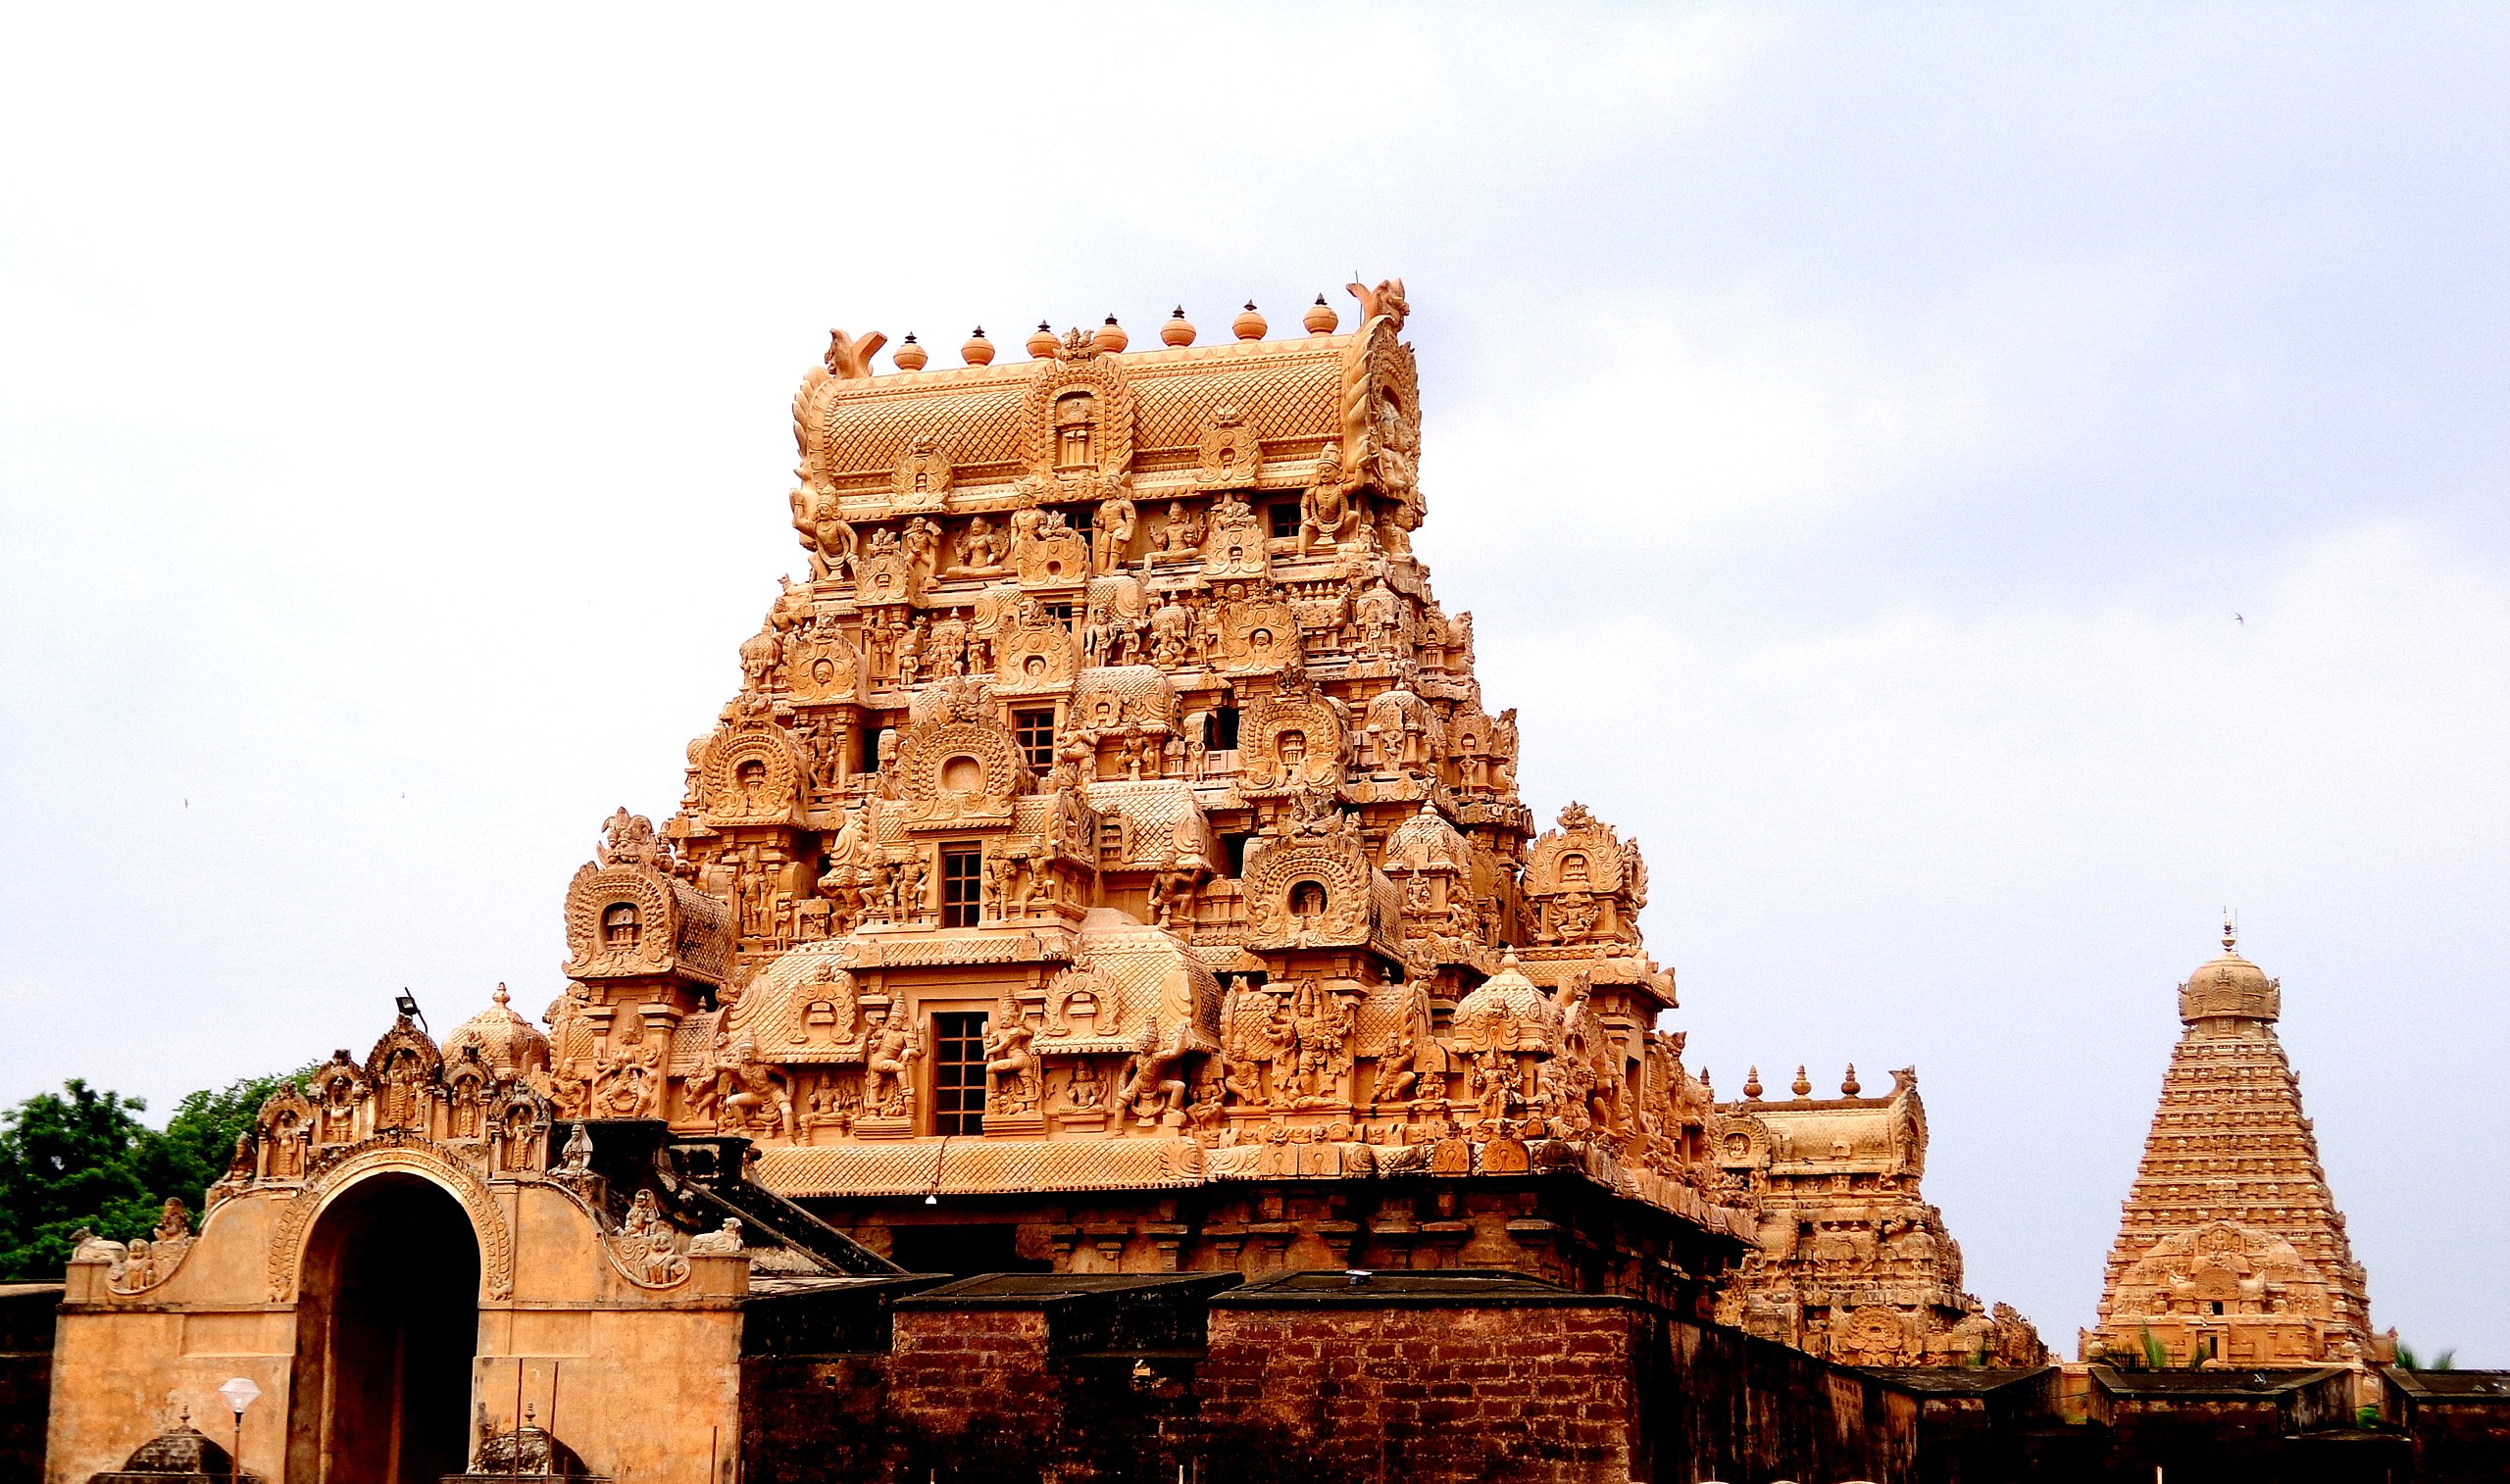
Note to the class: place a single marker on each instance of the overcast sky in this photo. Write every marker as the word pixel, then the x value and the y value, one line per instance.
pixel 1855 431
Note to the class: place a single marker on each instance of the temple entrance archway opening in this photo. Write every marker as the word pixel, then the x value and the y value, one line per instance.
pixel 387 1321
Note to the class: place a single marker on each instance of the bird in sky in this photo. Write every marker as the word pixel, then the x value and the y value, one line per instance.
pixel 2236 619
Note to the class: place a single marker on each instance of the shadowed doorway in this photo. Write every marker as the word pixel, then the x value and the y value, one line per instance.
pixel 386 1321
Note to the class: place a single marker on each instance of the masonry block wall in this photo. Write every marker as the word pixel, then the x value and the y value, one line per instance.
pixel 1354 1392
pixel 1291 1380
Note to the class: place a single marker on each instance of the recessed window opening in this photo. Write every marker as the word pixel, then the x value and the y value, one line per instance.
pixel 958 1073
pixel 962 885
pixel 1035 730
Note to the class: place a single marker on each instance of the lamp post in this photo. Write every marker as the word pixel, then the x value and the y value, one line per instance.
pixel 239 1394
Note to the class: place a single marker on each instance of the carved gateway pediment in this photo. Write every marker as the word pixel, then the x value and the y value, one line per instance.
pixel 1032 650
pixel 960 773
pixel 1293 738
pixel 751 770
pixel 1077 421
pixel 1584 883
pixel 2244 1269
pixel 822 666
pixel 624 921
pixel 406 1071
pixel 1317 893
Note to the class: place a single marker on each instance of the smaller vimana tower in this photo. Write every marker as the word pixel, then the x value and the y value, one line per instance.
pixel 2231 1248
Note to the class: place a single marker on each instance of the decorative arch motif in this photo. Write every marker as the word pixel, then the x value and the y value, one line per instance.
pixel 1048 411
pixel 1034 653
pixel 1227 450
pixel 751 775
pixel 921 480
pixel 1596 849
pixel 1280 915
pixel 935 799
pixel 823 668
pixel 590 897
pixel 398 1151
pixel 1293 710
pixel 1259 635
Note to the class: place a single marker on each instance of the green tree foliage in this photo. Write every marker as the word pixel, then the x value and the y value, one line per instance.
pixel 81 1156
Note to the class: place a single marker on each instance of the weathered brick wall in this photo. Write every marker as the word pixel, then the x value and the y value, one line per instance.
pixel 2462 1442
pixel 1594 1391
pixel 1426 1393
pixel 1718 1404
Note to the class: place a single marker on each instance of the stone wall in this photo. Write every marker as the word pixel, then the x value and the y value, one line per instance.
pixel 27 1314
pixel 1406 1377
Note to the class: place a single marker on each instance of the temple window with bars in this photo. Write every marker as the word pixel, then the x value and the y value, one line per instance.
pixel 958 1071
pixel 962 885
pixel 1035 730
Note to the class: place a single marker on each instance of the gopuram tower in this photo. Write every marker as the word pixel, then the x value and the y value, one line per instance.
pixel 1108 862
pixel 2231 1248
pixel 1105 887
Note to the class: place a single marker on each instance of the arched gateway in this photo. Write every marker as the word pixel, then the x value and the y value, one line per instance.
pixel 428 1276
pixel 387 1321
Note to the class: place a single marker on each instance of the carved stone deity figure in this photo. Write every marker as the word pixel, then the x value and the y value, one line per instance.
pixel 1011 1065
pixel 825 537
pixel 648 1244
pixel 1325 511
pixel 576 1159
pixel 629 1082
pixel 980 549
pixel 1154 1091
pixel 1174 883
pixel 1112 532
pixel 891 1064
pixel 923 544
pixel 750 1091
pixel 1398 1071
pixel 1182 534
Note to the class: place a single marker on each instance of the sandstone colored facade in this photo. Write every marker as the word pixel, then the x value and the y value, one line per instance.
pixel 1107 867
pixel 2231 1246
pixel 1850 1261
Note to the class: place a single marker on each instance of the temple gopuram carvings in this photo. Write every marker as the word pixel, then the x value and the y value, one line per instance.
pixel 1113 809
pixel 1851 1262
pixel 2231 1248
pixel 1105 867
pixel 1111 827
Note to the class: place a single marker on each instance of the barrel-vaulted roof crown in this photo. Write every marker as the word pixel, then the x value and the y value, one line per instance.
pixel 1253 415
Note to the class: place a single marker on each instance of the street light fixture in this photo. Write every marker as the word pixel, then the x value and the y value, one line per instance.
pixel 239 1393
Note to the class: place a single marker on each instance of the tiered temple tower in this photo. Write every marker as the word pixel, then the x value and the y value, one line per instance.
pixel 1851 1261
pixel 2232 1247
pixel 1108 861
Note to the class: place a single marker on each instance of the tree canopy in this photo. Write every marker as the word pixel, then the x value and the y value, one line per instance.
pixel 81 1156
